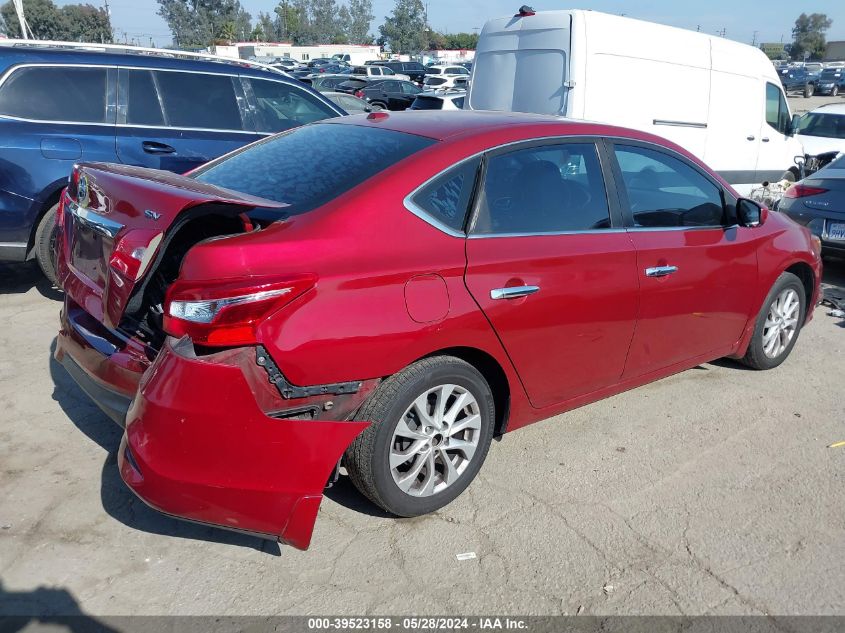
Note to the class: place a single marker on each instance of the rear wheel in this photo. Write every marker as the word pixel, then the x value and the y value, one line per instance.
pixel 45 244
pixel 379 104
pixel 432 424
pixel 809 90
pixel 778 324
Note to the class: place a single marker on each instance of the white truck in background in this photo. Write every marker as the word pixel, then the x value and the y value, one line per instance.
pixel 719 99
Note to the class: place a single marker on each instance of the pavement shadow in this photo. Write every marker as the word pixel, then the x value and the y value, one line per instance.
pixel 117 499
pixel 26 610
pixel 344 493
pixel 18 278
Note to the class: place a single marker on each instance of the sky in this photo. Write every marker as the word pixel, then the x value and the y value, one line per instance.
pixel 765 21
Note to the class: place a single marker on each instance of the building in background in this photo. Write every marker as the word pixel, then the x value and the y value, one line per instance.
pixel 452 56
pixel 268 51
pixel 835 52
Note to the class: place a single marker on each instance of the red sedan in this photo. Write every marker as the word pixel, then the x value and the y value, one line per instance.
pixel 389 292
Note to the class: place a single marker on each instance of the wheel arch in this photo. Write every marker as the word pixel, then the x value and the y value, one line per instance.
pixel 46 203
pixel 495 376
pixel 805 273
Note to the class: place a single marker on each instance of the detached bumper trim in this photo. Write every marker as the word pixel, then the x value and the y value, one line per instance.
pixel 114 404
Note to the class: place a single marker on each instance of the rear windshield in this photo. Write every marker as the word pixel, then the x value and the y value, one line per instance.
pixel 309 166
pixel 831 73
pixel 427 103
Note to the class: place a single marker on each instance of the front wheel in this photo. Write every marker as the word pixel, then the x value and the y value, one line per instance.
pixel 809 90
pixel 835 91
pixel 432 424
pixel 778 324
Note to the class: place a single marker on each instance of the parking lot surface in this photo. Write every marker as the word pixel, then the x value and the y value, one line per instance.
pixel 712 491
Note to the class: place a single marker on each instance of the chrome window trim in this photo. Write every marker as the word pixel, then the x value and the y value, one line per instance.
pixel 662 229
pixel 423 215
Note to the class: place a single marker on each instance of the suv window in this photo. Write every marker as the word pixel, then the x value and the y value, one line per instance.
pixel 217 109
pixel 446 198
pixel 282 106
pixel 777 112
pixel 141 98
pixel 545 189
pixel 54 93
pixel 664 191
pixel 319 156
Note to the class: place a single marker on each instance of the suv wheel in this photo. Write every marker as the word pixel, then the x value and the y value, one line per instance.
pixel 432 424
pixel 45 244
pixel 809 89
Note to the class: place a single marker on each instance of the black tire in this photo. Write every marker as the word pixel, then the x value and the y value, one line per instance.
pixel 809 90
pixel 835 91
pixel 790 175
pixel 367 460
pixel 45 244
pixel 381 105
pixel 756 357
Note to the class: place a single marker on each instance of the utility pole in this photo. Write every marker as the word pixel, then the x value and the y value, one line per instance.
pixel 108 15
pixel 22 20
pixel 754 39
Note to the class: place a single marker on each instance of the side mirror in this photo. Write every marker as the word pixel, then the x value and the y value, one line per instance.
pixel 749 213
pixel 793 127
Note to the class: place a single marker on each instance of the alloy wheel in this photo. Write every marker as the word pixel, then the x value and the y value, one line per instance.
pixel 781 323
pixel 435 440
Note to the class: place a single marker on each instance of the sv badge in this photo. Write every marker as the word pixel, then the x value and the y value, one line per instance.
pixel 152 215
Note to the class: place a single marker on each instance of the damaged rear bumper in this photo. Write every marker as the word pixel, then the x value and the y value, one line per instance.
pixel 198 446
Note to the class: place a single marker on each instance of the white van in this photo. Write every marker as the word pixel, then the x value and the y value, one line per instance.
pixel 719 99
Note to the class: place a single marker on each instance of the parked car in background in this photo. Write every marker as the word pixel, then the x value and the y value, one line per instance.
pixel 438 82
pixel 446 70
pixel 823 129
pixel 439 100
pixel 799 80
pixel 719 99
pixel 818 202
pixel 389 94
pixel 831 82
pixel 65 103
pixel 331 69
pixel 377 71
pixel 287 64
pixel 415 71
pixel 350 103
pixel 325 83
pixel 246 329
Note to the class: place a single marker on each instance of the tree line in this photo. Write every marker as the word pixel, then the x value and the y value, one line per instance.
pixel 72 22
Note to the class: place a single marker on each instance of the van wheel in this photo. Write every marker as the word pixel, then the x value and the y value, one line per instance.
pixel 45 244
pixel 432 424
pixel 789 175
pixel 809 89
pixel 778 324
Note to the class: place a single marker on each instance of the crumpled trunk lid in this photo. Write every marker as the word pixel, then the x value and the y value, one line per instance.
pixel 116 221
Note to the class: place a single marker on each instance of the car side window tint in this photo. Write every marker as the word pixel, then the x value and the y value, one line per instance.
pixel 545 189
pixel 217 110
pixel 282 106
pixel 141 99
pixel 777 112
pixel 54 93
pixel 446 198
pixel 664 191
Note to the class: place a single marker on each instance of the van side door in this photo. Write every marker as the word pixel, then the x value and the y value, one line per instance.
pixel 177 120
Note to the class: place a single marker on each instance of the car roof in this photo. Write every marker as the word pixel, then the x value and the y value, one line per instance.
pixel 830 108
pixel 441 125
pixel 13 56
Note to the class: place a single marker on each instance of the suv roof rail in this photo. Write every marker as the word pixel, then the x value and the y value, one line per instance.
pixel 137 50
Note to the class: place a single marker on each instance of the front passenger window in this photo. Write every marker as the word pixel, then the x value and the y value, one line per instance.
pixel 545 189
pixel 664 191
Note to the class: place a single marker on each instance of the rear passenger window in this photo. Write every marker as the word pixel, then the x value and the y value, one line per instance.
pixel 664 191
pixel 282 106
pixel 141 99
pixel 199 100
pixel 56 93
pixel 546 189
pixel 446 198
pixel 777 112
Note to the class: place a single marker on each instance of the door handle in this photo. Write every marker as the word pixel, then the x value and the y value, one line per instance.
pixel 750 137
pixel 151 147
pixel 660 271
pixel 513 292
pixel 765 139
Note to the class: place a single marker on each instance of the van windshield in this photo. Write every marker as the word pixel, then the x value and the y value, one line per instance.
pixel 527 80
pixel 311 165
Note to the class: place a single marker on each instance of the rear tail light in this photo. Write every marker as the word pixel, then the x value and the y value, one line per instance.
pixel 802 191
pixel 216 314
pixel 525 11
pixel 134 252
pixel 359 94
pixel 816 243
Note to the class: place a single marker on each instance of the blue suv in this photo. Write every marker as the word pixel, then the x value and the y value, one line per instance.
pixel 62 104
